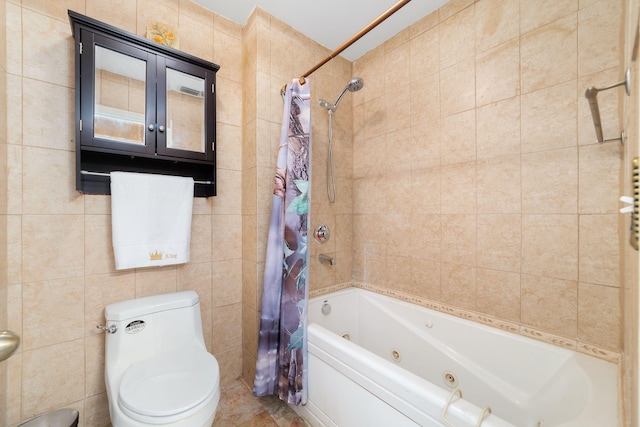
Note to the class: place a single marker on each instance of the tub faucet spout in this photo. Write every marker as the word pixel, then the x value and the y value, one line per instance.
pixel 325 259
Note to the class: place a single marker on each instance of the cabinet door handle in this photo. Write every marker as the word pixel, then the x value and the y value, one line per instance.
pixel 151 127
pixel 161 128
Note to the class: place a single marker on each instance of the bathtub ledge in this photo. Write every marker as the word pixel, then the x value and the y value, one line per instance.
pixel 559 341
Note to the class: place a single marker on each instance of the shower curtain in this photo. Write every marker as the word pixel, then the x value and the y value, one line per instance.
pixel 282 344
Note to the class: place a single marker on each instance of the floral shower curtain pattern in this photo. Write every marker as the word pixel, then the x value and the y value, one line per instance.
pixel 282 343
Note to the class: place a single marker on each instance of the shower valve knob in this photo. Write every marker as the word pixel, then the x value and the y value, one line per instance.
pixel 322 233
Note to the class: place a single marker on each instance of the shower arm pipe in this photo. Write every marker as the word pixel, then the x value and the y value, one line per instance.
pixel 357 36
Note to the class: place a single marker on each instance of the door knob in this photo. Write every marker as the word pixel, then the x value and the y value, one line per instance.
pixel 9 343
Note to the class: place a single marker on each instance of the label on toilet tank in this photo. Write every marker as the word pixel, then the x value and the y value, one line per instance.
pixel 135 326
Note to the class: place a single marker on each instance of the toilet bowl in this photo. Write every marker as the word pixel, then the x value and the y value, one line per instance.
pixel 157 368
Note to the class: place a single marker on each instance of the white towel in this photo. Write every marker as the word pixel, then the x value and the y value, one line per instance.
pixel 150 219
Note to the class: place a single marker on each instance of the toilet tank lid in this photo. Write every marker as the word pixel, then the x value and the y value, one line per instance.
pixel 146 305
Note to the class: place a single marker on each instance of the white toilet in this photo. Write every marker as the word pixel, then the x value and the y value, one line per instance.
pixel 157 368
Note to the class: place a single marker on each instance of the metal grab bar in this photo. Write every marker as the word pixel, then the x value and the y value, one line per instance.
pixel 592 96
pixel 444 411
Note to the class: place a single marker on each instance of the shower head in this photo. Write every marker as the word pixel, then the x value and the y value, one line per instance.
pixel 354 85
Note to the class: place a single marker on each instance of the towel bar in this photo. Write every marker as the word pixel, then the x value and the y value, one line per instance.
pixel 83 172
pixel 592 96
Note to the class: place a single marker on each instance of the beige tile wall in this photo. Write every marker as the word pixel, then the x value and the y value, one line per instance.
pixel 477 182
pixel 61 271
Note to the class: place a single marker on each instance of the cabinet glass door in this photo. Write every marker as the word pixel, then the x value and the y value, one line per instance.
pixel 185 112
pixel 117 108
pixel 120 97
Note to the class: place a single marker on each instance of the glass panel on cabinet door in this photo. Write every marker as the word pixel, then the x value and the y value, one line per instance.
pixel 185 122
pixel 120 85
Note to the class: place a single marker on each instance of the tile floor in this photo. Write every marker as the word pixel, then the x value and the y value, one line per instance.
pixel 239 408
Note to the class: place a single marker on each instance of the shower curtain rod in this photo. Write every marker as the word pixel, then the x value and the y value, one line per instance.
pixel 393 9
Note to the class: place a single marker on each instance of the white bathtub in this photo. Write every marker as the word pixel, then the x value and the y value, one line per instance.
pixel 399 362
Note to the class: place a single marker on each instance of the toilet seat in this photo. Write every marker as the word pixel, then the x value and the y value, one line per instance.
pixel 170 386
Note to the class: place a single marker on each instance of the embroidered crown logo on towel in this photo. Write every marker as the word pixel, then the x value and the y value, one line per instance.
pixel 157 256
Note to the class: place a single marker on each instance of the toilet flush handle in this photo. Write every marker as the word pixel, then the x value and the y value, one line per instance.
pixel 108 329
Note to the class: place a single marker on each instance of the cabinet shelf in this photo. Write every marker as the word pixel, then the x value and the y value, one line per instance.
pixel 102 161
pixel 126 126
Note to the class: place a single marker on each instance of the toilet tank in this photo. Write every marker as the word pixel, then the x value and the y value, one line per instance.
pixel 152 325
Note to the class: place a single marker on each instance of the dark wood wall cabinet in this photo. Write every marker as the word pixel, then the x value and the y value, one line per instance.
pixel 141 107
